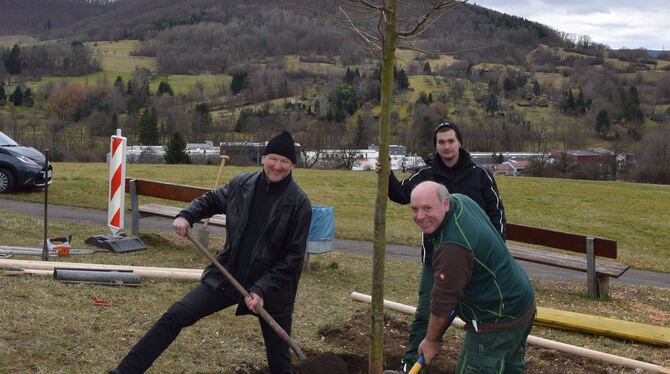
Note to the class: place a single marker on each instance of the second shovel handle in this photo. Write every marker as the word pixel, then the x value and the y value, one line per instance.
pixel 261 311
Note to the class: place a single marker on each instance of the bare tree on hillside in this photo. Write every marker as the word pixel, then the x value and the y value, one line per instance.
pixel 381 29
pixel 654 158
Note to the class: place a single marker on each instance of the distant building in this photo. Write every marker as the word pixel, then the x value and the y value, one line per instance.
pixel 394 150
pixel 364 159
pixel 246 153
pixel 582 156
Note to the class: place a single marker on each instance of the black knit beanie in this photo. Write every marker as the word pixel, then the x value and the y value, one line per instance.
pixel 449 125
pixel 283 145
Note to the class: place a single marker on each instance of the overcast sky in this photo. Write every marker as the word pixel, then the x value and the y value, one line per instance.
pixel 616 23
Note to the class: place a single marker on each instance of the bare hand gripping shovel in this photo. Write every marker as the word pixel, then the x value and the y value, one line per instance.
pixel 275 326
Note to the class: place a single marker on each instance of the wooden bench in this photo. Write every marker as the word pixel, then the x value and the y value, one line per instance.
pixel 169 191
pixel 598 271
pixel 178 192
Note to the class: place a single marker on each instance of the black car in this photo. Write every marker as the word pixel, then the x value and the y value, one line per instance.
pixel 20 166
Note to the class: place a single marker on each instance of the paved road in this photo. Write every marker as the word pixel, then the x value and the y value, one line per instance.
pixel 393 251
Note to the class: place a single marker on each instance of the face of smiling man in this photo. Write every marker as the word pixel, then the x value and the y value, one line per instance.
pixel 276 167
pixel 428 210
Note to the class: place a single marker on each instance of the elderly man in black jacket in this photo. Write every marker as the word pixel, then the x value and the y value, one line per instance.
pixel 267 223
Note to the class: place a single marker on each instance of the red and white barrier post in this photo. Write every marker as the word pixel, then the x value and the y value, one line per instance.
pixel 117 185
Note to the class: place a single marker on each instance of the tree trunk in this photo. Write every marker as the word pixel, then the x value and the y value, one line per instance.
pixel 376 359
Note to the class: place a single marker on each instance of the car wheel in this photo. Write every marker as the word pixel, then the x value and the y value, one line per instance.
pixel 6 181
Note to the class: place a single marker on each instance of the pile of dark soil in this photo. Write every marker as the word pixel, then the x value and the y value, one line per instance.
pixel 353 338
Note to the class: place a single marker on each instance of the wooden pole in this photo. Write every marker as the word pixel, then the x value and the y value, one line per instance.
pixel 29 266
pixel 203 234
pixel 540 342
pixel 45 247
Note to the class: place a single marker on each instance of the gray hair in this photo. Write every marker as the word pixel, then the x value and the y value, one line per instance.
pixel 442 192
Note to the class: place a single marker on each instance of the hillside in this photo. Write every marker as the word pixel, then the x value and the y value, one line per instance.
pixel 40 17
pixel 228 70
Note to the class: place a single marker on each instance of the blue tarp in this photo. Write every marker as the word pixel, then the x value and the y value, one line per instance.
pixel 322 226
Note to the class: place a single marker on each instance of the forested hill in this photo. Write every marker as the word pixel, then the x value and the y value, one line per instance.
pixel 39 17
pixel 243 30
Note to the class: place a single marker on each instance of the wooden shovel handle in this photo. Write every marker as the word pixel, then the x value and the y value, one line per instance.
pixel 218 180
pixel 261 311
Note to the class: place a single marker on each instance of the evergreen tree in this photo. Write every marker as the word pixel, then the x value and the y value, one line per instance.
pixel 402 79
pixel 632 111
pixel 425 99
pixel 351 75
pixel 426 68
pixel 602 123
pixel 164 88
pixel 425 129
pixel 239 82
pixel 569 103
pixel 113 124
pixel 343 100
pixel 202 120
pixel 176 150
pixel 119 83
pixel 13 61
pixel 17 96
pixel 359 137
pixel 521 80
pixel 580 104
pixel 492 104
pixel 148 127
pixel 537 90
pixel 130 88
pixel 509 84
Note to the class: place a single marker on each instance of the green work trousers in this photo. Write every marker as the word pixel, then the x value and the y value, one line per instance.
pixel 494 352
pixel 420 324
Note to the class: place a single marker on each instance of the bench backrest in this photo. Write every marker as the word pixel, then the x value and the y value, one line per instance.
pixel 167 191
pixel 560 240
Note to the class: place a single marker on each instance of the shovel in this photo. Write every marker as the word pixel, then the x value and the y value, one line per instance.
pixel 419 363
pixel 261 312
pixel 203 234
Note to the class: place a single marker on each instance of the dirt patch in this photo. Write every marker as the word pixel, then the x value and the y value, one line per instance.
pixel 353 338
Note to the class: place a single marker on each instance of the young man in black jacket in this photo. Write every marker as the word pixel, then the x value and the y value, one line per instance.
pixel 451 166
pixel 267 223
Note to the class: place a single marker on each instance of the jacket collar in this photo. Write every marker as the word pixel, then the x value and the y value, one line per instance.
pixel 288 189
pixel 464 161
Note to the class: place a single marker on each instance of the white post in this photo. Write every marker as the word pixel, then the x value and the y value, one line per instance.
pixel 117 182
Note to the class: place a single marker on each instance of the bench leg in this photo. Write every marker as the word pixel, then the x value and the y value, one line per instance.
pixel 591 276
pixel 305 263
pixel 603 282
pixel 134 208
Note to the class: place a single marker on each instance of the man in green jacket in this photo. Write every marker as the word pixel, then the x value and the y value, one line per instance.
pixel 452 166
pixel 477 277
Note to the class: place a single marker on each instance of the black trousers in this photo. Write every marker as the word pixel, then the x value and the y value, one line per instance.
pixel 199 303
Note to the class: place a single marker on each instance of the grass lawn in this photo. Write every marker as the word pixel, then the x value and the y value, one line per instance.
pixel 48 325
pixel 633 214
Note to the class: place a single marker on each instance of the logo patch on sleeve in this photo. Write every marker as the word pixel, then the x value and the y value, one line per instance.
pixel 442 276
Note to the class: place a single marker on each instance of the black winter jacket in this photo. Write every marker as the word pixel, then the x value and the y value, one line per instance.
pixel 276 261
pixel 466 178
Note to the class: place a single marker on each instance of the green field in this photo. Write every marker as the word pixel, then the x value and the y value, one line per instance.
pixel 115 56
pixel 48 325
pixel 633 214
